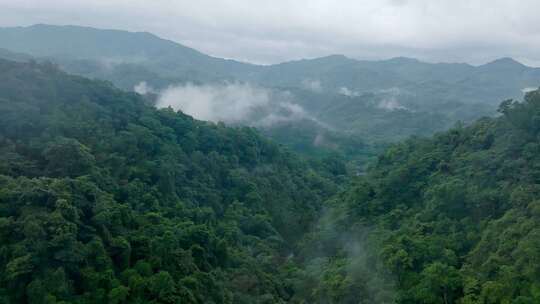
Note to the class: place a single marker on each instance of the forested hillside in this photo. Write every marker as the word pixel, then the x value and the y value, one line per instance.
pixel 452 219
pixel 104 199
pixel 342 100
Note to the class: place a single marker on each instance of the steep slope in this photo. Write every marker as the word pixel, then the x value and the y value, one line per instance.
pixel 503 77
pixel 380 101
pixel 452 219
pixel 110 47
pixel 104 199
pixel 498 80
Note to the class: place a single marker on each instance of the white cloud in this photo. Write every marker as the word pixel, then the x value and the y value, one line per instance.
pixel 143 88
pixel 282 112
pixel 391 104
pixel 390 100
pixel 347 92
pixel 529 89
pixel 235 103
pixel 232 102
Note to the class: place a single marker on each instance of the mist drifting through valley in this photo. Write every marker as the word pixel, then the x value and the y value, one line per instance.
pixel 239 152
pixel 233 103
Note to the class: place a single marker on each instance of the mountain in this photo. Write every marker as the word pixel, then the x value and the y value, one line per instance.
pixel 106 199
pixel 342 98
pixel 112 47
pixel 503 64
pixel 109 48
pixel 498 80
pixel 450 219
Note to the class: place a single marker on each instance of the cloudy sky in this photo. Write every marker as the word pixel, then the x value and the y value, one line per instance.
pixel 269 31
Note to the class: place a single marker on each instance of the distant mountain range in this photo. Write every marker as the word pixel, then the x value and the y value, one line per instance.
pixel 500 79
pixel 382 100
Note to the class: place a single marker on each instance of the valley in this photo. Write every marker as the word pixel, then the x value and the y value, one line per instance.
pixel 134 169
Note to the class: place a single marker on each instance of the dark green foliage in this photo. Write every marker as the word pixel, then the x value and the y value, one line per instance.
pixel 454 219
pixel 104 199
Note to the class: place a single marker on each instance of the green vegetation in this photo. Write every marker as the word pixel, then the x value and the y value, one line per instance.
pixel 104 199
pixel 453 219
pixel 375 102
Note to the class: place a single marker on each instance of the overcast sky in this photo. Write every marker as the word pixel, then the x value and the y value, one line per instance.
pixel 269 31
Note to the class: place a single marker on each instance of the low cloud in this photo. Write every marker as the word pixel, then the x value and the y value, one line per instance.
pixel 390 99
pixel 235 103
pixel 143 88
pixel 528 89
pixel 347 92
pixel 392 91
pixel 353 251
pixel 283 112
pixel 230 102
pixel 390 104
pixel 321 141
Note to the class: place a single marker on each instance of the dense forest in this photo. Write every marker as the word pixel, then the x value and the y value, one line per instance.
pixel 106 199
pixel 452 219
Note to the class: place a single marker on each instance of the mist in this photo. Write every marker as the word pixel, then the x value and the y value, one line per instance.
pixel 229 102
pixel 529 89
pixel 353 252
pixel 391 104
pixel 283 112
pixel 390 100
pixel 348 92
pixel 233 103
pixel 143 88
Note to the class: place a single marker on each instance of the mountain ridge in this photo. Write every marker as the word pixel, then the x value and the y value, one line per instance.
pixel 44 26
pixel 381 98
